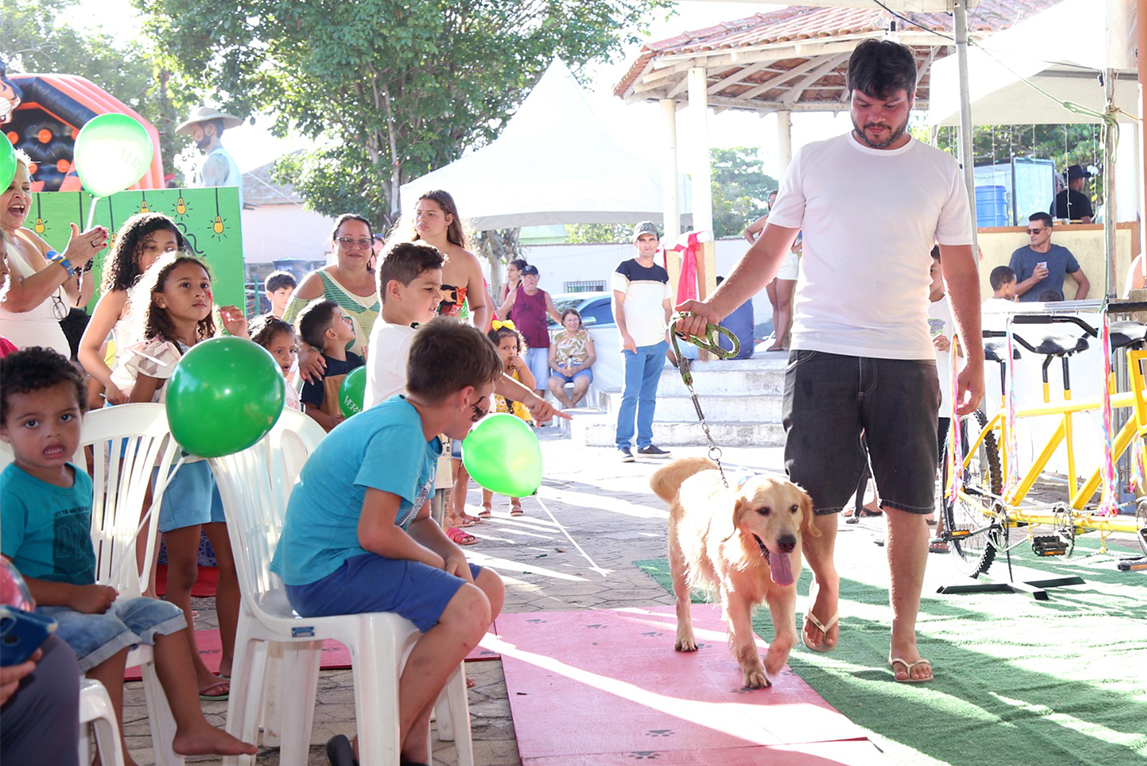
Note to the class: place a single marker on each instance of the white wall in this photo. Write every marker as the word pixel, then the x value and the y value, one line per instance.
pixel 271 232
pixel 559 264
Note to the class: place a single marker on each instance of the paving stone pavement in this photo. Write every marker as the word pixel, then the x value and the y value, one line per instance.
pixel 607 509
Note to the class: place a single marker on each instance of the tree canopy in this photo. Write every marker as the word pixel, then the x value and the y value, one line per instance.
pixel 388 89
pixel 740 187
pixel 41 36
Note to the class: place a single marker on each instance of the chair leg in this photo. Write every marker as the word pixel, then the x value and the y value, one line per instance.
pixel 375 666
pixel 243 702
pixel 453 714
pixel 297 686
pixel 160 718
pixel 96 713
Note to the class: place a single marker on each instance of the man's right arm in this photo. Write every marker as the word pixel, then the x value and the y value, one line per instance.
pixel 756 269
pixel 1022 286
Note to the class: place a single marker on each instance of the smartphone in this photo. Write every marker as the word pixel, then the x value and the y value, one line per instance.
pixel 21 634
pixel 1041 264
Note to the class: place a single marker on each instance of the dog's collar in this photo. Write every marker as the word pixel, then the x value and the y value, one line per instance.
pixel 764 550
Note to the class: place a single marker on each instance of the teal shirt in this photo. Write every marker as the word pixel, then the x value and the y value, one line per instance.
pixel 381 448
pixel 47 530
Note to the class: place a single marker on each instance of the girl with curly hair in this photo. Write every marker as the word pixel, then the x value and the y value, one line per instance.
pixel 140 242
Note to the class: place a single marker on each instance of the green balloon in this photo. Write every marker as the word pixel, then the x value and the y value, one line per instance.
pixel 224 396
pixel 112 152
pixel 7 164
pixel 503 455
pixel 352 392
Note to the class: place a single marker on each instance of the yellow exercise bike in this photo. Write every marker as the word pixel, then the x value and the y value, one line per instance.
pixel 992 498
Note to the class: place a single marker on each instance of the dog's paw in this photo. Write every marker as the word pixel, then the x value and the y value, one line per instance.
pixel 685 644
pixel 755 678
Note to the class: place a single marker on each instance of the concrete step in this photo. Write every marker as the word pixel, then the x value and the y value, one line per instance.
pixel 600 431
pixel 718 408
pixel 734 377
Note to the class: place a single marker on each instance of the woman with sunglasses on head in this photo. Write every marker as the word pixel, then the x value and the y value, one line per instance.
pixel 43 284
pixel 349 282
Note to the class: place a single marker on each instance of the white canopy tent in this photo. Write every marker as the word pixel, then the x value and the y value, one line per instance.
pixel 1061 50
pixel 553 163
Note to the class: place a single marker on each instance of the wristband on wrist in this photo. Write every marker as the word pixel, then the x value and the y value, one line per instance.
pixel 55 257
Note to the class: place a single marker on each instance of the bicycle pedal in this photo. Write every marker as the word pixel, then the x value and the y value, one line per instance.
pixel 1049 545
pixel 1131 565
pixel 953 533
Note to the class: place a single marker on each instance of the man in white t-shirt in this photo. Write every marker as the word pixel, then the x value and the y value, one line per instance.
pixel 871 205
pixel 642 303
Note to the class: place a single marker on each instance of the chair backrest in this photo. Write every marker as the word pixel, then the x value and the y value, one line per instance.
pixel 255 485
pixel 128 442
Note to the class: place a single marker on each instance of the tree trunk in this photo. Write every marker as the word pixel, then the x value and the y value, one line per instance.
pixel 498 247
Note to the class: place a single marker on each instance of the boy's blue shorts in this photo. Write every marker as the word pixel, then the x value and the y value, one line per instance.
pixel 191 498
pixel 95 638
pixel 370 583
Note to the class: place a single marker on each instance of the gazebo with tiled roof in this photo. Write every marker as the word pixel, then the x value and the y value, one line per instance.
pixel 792 60
pixel 795 59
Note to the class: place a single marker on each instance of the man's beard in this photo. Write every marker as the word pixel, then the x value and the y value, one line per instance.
pixel 203 144
pixel 893 137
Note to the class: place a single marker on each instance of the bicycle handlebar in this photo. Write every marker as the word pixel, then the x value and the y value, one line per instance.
pixel 1054 319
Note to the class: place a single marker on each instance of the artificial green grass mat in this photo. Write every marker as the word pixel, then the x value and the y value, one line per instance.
pixel 1018 682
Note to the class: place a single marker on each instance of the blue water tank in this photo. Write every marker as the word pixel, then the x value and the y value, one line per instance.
pixel 992 206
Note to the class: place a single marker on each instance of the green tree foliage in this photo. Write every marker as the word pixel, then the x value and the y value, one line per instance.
pixel 598 233
pixel 740 188
pixel 47 37
pixel 391 89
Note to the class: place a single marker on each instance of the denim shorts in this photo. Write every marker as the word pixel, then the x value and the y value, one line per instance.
pixel 95 638
pixel 830 399
pixel 191 498
pixel 586 373
pixel 538 360
pixel 370 583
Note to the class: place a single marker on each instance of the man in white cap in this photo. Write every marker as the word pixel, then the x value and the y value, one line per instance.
pixel 642 306
pixel 206 126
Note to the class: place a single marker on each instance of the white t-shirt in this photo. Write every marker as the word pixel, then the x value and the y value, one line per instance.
pixel 940 323
pixel 389 346
pixel 870 218
pixel 994 313
pixel 646 291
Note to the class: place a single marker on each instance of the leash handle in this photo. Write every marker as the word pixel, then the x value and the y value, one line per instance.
pixel 710 342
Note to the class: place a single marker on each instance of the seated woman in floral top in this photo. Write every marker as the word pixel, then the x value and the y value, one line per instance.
pixel 571 356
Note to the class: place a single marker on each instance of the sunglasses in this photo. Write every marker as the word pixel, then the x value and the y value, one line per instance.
pixel 1037 231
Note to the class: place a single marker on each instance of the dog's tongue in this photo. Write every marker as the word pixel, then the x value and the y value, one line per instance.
pixel 781 567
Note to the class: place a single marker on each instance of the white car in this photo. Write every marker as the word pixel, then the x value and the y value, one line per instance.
pixel 597 317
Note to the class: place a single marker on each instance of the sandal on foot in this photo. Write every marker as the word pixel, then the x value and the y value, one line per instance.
pixel 486 512
pixel 206 695
pixel 516 509
pixel 340 752
pixel 459 537
pixel 454 521
pixel 908 667
pixel 821 648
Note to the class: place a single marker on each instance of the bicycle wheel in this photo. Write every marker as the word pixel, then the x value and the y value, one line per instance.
pixel 969 512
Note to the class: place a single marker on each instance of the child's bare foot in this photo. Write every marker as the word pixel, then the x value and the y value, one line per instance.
pixel 205 739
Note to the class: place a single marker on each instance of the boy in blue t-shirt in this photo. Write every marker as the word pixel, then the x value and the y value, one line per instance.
pixel 324 325
pixel 358 536
pixel 45 531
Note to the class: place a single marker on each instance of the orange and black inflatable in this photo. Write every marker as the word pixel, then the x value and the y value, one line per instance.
pixel 42 114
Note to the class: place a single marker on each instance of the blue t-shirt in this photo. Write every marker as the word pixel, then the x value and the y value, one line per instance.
pixel 740 322
pixel 47 530
pixel 1060 263
pixel 380 448
pixel 315 393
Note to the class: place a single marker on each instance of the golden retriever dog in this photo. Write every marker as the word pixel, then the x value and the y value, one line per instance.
pixel 744 543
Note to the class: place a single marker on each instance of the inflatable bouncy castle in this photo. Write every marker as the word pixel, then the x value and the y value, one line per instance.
pixel 41 114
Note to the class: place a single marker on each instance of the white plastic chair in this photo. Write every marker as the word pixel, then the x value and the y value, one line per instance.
pixel 128 442
pixel 96 712
pixel 255 485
